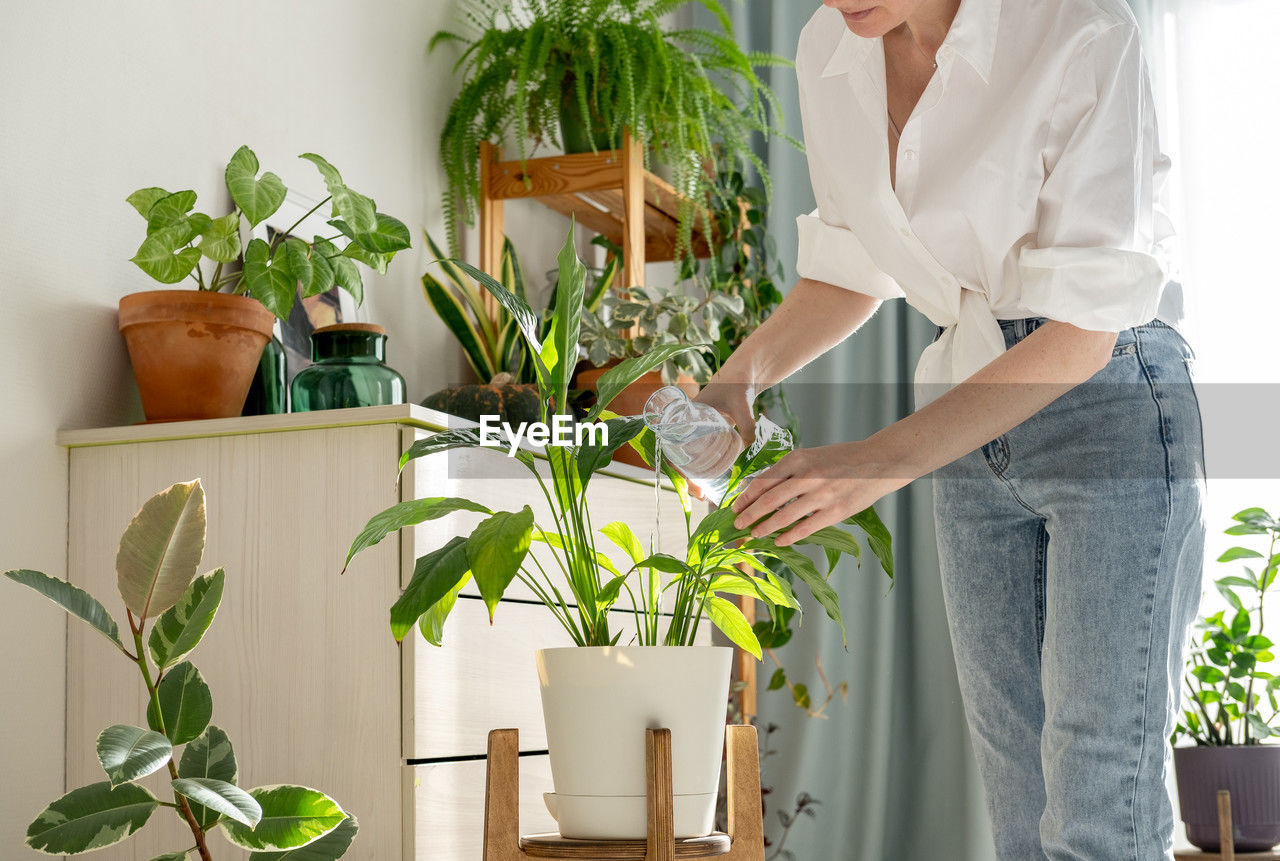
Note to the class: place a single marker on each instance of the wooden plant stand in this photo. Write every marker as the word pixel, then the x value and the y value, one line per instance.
pixel 1226 840
pixel 744 842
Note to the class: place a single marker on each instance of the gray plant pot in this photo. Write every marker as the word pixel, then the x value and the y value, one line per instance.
pixel 1252 775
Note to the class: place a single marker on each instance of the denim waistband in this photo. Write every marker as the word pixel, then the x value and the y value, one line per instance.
pixel 1024 326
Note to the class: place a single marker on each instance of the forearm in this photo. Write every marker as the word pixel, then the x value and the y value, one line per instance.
pixel 813 318
pixel 1006 392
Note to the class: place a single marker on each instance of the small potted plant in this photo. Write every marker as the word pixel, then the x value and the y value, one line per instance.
pixel 1231 704
pixel 582 74
pixel 159 555
pixel 598 694
pixel 194 352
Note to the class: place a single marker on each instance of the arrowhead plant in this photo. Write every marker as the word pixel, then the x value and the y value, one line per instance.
pixel 156 573
pixel 179 239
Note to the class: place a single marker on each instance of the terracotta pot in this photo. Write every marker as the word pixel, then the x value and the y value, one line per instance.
pixel 630 401
pixel 193 352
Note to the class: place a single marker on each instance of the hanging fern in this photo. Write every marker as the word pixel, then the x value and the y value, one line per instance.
pixel 692 96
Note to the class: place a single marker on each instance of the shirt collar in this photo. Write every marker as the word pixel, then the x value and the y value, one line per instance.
pixel 972 36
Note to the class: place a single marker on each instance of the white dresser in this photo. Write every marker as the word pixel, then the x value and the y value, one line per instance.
pixel 306 677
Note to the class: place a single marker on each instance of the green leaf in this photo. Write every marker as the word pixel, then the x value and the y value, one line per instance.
pixel 1251 515
pixel 717 528
pixel 353 207
pixel 269 280
pixel 1239 553
pixel 328 848
pixel 431 623
pixel 800 694
pixel 163 254
pixel 740 583
pixel 1230 596
pixel 180 628
pixel 1241 624
pixel 778 679
pixel 377 262
pixel 726 616
pixel 519 311
pixel 257 198
pixel 1209 675
pixel 802 567
pixel 443 441
pixel 388 236
pixel 144 198
pixel 626 372
pixel 496 550
pixel 173 209
pixel 73 599
pixel 161 549
pixel 292 816
pixel 664 562
pixel 296 260
pixel 834 540
pixel 434 576
pixel 878 537
pixel 91 817
pixel 210 756
pixel 1237 581
pixel 622 535
pixel 347 276
pixel 1259 726
pixel 221 241
pixel 171 856
pixel 222 797
pixel 591 458
pixel 570 287
pixel 185 705
pixel 409 513
pixel 130 752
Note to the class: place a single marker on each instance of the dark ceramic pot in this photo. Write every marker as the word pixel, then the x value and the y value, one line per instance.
pixel 1252 775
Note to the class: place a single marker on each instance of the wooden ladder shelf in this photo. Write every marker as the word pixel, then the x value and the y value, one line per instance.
pixel 744 842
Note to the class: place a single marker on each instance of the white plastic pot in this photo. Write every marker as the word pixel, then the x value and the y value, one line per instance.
pixel 597 702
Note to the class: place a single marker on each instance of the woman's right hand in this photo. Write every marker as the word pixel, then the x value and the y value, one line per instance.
pixel 734 400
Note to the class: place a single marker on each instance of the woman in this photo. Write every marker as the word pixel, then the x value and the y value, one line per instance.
pixel 996 164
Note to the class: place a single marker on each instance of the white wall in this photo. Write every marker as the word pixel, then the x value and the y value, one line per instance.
pixel 98 99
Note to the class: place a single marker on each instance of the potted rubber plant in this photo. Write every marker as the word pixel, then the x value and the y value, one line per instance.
pixel 582 73
pixel 1231 705
pixel 598 693
pixel 490 337
pixel 194 353
pixel 169 609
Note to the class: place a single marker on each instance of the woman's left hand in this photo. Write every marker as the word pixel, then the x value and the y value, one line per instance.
pixel 823 485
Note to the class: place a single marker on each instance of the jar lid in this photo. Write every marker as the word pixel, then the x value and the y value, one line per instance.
pixel 373 328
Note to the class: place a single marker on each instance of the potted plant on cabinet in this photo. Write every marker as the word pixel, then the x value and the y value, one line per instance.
pixel 490 338
pixel 1223 711
pixel 194 352
pixel 156 567
pixel 584 72
pixel 597 694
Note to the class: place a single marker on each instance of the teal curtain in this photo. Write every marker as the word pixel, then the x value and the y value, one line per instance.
pixel 892 765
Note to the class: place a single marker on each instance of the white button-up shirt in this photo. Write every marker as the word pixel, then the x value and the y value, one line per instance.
pixel 1029 179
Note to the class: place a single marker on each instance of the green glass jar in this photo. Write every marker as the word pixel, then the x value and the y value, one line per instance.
pixel 350 370
pixel 268 390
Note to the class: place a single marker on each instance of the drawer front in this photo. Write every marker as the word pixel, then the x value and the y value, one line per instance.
pixel 491 478
pixel 485 677
pixel 444 807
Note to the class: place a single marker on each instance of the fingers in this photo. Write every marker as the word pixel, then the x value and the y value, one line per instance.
pixel 785 516
pixel 811 524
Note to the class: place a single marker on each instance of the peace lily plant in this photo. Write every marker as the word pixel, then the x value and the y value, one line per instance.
pixel 156 571
pixel 497 551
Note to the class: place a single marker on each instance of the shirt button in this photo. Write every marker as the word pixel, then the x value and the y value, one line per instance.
pixel 904 231
pixel 910 154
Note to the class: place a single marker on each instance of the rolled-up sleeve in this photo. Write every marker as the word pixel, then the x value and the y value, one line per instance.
pixel 835 255
pixel 1089 263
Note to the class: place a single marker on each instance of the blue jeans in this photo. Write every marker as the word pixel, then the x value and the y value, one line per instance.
pixel 1071 554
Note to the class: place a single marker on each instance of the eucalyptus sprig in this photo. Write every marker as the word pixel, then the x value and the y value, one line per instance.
pixel 178 238
pixel 1225 684
pixel 156 568
pixel 692 95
